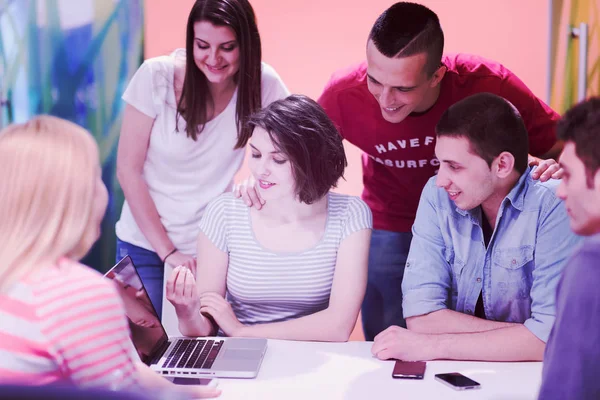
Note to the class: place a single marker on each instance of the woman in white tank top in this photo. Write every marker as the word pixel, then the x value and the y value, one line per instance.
pixel 182 136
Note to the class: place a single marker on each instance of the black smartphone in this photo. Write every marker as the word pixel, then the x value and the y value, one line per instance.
pixel 457 381
pixel 409 369
pixel 193 381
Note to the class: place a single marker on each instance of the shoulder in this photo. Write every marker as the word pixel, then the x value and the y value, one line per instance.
pixel 268 73
pixel 226 204
pixel 164 62
pixel 349 206
pixel 545 191
pixel 472 66
pixel 272 86
pixel 470 74
pixel 588 253
pixel 349 78
pixel 582 273
pixel 71 290
pixel 156 73
pixel 269 77
pixel 73 276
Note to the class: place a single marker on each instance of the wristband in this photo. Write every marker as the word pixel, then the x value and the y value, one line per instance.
pixel 167 256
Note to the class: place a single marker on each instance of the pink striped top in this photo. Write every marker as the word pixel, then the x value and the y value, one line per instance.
pixel 65 323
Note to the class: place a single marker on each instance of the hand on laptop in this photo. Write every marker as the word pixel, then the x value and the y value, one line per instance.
pixel 217 307
pixel 182 292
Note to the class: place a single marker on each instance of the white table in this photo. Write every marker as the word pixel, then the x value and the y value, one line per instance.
pixel 310 370
pixel 307 370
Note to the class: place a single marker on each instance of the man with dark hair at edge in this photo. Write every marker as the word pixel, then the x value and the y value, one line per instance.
pixel 572 358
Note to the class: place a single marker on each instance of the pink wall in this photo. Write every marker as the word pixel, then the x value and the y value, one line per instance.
pixel 307 40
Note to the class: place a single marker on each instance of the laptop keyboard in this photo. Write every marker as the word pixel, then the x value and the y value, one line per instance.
pixel 189 353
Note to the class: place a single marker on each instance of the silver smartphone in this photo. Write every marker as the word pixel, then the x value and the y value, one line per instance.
pixel 457 381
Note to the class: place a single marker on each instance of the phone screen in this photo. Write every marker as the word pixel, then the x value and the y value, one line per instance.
pixel 457 380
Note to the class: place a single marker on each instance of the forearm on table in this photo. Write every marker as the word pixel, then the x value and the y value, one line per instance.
pixel 514 343
pixel 324 326
pixel 450 321
pixel 144 212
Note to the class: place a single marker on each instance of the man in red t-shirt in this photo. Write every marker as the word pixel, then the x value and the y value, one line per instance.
pixel 388 106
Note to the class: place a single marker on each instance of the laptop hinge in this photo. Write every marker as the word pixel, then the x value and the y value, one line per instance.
pixel 159 353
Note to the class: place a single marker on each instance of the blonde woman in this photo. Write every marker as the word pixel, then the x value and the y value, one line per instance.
pixel 61 321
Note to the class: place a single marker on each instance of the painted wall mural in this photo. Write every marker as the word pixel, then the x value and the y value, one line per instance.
pixel 73 59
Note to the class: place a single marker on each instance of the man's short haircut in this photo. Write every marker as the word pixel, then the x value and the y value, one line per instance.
pixel 302 131
pixel 491 124
pixel 406 29
pixel 581 125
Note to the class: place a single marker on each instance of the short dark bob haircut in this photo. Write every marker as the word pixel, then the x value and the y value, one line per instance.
pixel 302 131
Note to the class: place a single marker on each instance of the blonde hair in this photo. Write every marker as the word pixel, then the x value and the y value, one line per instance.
pixel 47 183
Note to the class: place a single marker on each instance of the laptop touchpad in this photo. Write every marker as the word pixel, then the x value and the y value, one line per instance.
pixel 241 354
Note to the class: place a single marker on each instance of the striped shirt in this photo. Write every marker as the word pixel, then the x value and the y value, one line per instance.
pixel 65 323
pixel 265 286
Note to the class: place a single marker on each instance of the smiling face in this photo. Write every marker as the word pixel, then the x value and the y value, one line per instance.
pixel 216 52
pixel 465 176
pixel 271 168
pixel 582 200
pixel 401 85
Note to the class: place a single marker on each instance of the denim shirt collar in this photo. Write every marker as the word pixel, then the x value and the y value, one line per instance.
pixel 516 197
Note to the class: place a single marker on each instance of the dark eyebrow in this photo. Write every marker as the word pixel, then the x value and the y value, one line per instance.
pixel 273 152
pixel 453 163
pixel 222 44
pixel 373 79
pixel 404 88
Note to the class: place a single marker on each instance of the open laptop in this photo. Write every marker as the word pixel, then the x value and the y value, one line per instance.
pixel 180 357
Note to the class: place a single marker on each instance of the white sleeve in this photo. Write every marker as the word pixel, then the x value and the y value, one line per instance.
pixel 358 217
pixel 140 91
pixel 214 221
pixel 272 86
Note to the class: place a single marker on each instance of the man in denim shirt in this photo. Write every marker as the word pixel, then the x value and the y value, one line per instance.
pixel 572 358
pixel 489 244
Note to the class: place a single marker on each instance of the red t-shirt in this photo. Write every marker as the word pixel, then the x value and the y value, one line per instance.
pixel 399 158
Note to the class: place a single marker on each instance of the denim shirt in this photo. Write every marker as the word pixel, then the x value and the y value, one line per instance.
pixel 448 265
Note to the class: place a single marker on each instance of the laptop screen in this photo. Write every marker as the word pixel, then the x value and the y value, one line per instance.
pixel 147 332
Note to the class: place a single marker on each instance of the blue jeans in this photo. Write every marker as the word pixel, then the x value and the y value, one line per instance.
pixel 382 306
pixel 150 267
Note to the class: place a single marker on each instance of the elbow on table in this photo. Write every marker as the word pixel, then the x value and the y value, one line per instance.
pixel 341 332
